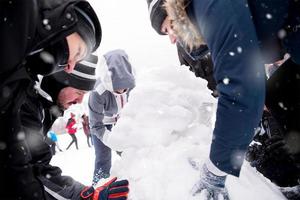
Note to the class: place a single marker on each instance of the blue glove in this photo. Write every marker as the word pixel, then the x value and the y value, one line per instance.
pixel 212 184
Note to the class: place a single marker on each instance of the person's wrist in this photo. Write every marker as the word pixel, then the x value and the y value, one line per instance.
pixel 87 193
pixel 213 179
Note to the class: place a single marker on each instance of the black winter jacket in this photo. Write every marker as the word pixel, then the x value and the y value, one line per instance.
pixel 37 179
pixel 26 27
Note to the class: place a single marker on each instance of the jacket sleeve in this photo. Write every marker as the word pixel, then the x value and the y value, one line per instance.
pixel 17 25
pixel 96 106
pixel 49 182
pixel 57 186
pixel 228 30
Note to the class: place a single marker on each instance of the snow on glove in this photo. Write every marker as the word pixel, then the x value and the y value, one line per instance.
pixel 212 186
pixel 111 190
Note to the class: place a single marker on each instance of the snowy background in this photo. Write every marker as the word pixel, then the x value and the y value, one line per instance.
pixel 167 123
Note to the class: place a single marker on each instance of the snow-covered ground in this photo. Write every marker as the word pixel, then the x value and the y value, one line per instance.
pixel 166 124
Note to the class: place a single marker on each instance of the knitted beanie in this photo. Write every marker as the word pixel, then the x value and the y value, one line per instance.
pixel 157 14
pixel 83 77
pixel 88 26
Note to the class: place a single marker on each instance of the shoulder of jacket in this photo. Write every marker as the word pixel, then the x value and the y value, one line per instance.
pixel 100 89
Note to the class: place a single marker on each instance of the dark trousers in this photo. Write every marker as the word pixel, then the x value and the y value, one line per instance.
pixel 74 140
pixel 102 158
pixel 88 138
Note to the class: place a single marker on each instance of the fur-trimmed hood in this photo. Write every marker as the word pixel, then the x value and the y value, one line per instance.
pixel 182 25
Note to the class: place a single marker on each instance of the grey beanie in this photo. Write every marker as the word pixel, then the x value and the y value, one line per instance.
pixel 88 26
pixel 86 29
pixel 157 14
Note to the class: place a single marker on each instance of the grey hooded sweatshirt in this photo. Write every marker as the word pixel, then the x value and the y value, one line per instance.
pixel 104 104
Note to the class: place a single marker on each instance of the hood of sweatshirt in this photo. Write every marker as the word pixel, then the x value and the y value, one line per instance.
pixel 115 71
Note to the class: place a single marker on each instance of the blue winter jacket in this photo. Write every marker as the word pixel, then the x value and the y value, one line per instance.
pixel 235 37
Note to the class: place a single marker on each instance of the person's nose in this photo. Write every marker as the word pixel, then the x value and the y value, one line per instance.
pixel 172 38
pixel 80 98
pixel 70 67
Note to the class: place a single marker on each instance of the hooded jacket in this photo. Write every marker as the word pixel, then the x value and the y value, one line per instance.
pixel 238 37
pixel 104 104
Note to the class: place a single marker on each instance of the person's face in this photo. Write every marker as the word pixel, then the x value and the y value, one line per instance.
pixel 68 96
pixel 120 91
pixel 77 51
pixel 166 28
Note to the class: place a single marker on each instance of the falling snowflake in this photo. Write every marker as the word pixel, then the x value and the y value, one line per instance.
pixel 282 106
pixel 269 16
pixel 68 16
pixel 55 111
pixel 226 81
pixel 239 49
pixel 21 136
pixel 281 33
pixel 47 57
pixel 237 159
pixel 2 145
pixel 48 27
pixel 45 21
pixel 231 53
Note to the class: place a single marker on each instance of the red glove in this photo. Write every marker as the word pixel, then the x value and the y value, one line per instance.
pixel 111 190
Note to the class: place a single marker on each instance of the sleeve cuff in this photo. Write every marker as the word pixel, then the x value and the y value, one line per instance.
pixel 213 169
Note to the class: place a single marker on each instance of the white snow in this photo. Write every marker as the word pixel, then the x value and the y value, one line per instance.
pixel 166 124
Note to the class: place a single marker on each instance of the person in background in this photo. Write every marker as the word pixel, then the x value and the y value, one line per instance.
pixel 86 129
pixel 241 39
pixel 51 135
pixel 275 151
pixel 72 129
pixel 105 104
pixel 198 59
pixel 42 180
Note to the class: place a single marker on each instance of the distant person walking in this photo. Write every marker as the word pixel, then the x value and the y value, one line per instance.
pixel 53 141
pixel 86 129
pixel 72 130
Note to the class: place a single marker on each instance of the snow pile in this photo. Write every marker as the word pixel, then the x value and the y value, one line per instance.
pixel 166 123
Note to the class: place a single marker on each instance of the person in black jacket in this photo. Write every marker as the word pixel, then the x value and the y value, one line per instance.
pixel 276 151
pixel 38 179
pixel 37 37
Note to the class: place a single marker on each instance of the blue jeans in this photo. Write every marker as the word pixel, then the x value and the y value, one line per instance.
pixel 230 34
pixel 102 158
